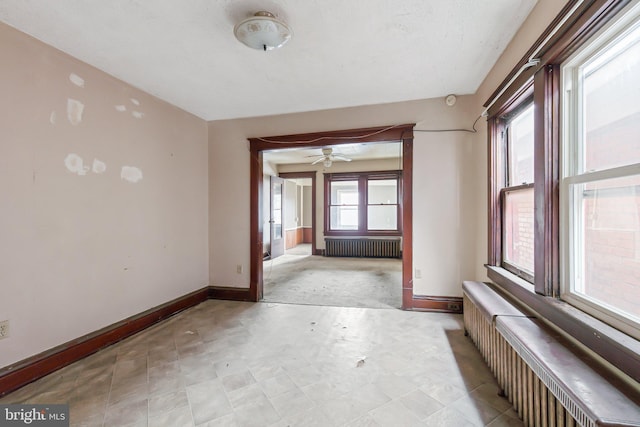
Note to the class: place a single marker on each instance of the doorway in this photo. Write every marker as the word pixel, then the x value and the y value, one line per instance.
pixel 276 221
pixel 396 133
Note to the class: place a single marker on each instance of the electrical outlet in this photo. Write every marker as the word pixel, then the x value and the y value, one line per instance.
pixel 4 329
pixel 239 269
pixel 418 273
pixel 454 306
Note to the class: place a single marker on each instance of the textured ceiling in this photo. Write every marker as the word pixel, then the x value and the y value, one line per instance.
pixel 343 53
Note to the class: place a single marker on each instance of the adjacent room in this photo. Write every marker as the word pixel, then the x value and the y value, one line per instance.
pixel 335 262
pixel 272 213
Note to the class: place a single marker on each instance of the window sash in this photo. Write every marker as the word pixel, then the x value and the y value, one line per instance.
pixel 394 227
pixel 507 262
pixel 581 270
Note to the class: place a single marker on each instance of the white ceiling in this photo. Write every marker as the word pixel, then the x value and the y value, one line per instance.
pixel 356 151
pixel 343 53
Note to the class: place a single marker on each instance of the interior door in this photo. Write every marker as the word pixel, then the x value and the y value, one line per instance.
pixel 277 199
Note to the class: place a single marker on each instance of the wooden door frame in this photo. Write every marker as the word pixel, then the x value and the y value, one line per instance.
pixel 395 133
pixel 312 175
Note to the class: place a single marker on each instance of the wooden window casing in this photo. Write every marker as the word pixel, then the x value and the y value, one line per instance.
pixel 540 78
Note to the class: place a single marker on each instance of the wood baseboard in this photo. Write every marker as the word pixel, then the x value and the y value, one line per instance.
pixel 437 304
pixel 28 370
pixel 33 368
pixel 233 294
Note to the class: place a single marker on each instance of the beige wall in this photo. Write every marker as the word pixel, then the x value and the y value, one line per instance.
pixel 444 197
pixel 81 249
pixel 337 167
pixel 539 18
pixel 450 190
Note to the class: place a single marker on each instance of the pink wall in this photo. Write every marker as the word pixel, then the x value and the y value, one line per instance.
pixel 104 188
pixel 444 201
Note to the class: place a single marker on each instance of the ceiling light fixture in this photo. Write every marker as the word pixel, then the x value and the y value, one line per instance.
pixel 327 163
pixel 263 31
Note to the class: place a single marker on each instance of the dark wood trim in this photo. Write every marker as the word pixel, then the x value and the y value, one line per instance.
pixel 402 133
pixel 546 179
pixel 232 294
pixel 438 304
pixel 619 349
pixel 256 227
pixel 321 139
pixel 407 220
pixel 589 19
pixel 312 175
pixel 496 179
pixel 586 21
pixel 28 370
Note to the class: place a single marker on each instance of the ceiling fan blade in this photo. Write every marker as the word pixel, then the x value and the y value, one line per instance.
pixel 318 161
pixel 341 157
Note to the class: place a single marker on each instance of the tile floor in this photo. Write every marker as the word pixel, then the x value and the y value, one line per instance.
pixel 225 363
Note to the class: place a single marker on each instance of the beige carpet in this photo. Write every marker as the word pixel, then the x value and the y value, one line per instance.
pixel 340 282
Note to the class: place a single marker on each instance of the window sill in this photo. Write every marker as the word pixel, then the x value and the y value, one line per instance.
pixel 617 348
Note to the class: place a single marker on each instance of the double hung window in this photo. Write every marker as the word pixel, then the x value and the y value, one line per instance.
pixel 600 185
pixel 517 194
pixel 363 203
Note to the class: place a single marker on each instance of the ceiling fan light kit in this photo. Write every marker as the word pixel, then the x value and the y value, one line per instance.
pixel 262 31
pixel 328 157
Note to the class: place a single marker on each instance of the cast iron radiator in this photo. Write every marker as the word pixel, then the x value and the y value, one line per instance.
pixel 539 395
pixel 360 247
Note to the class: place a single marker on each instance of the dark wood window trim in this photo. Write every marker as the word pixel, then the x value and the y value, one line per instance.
pixel 363 178
pixel 402 133
pixel 617 348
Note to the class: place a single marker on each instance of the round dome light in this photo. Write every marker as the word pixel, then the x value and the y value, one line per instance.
pixel 262 31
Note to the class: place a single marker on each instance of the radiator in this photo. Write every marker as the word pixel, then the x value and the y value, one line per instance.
pixel 370 248
pixel 535 403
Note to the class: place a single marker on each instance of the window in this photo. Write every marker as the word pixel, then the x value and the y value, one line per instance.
pixel 344 203
pixel 600 185
pixel 362 203
pixel 517 194
pixel 583 77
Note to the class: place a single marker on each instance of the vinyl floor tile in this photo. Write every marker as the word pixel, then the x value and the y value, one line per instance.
pixel 225 363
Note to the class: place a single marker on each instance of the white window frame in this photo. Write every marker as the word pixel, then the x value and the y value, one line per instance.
pixel 571 247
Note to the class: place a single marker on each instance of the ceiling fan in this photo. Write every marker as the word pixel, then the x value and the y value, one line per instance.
pixel 328 157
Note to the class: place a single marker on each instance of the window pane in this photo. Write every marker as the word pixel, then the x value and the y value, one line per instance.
pixel 606 234
pixel 382 191
pixel 344 217
pixel 277 211
pixel 344 192
pixel 611 107
pixel 518 229
pixel 382 217
pixel 520 149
